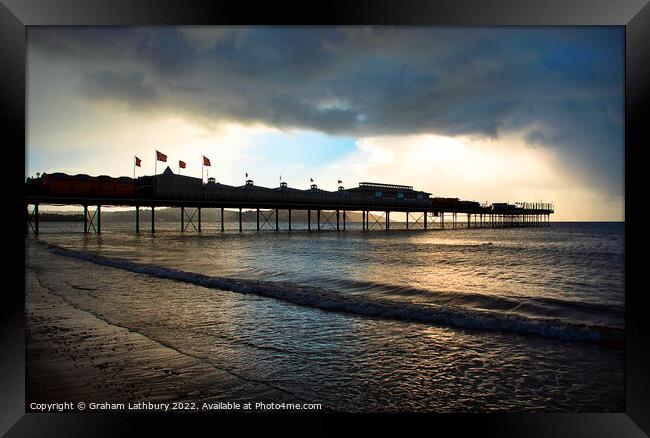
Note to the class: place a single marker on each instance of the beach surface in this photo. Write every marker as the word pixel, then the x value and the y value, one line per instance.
pixel 75 356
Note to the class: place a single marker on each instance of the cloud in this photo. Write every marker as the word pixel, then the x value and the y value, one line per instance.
pixel 559 88
pixel 127 87
pixel 478 169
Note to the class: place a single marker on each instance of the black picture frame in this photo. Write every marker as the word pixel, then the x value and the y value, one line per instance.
pixel 15 15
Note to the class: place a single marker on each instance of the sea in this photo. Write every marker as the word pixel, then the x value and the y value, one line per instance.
pixel 453 320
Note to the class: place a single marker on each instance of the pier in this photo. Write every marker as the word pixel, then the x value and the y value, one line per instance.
pixel 326 210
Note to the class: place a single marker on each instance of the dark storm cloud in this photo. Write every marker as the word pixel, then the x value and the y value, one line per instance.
pixel 126 87
pixel 563 86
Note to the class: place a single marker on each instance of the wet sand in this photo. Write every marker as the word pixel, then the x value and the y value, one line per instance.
pixel 72 356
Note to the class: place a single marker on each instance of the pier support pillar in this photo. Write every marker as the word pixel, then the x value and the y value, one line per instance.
pixel 318 219
pixel 309 220
pixel 85 219
pixel 137 218
pixel 407 220
pixel 469 218
pixel 35 218
pixel 442 220
pixel 240 219
pixel 363 220
pixel 277 227
pixel 426 220
pixel 337 220
pixel 153 220
pixel 199 213
pixel 221 218
pixel 289 219
pixel 182 219
pixel 387 220
pixel 99 219
pixel 258 219
pixel 344 218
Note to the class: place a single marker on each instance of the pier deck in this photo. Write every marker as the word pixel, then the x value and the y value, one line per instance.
pixel 375 201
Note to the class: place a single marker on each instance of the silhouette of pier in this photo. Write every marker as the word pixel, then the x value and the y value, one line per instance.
pixel 329 209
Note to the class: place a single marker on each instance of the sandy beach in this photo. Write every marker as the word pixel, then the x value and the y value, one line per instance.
pixel 72 356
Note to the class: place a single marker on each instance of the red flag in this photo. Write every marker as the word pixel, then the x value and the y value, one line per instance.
pixel 161 157
pixel 137 161
pixel 181 164
pixel 206 161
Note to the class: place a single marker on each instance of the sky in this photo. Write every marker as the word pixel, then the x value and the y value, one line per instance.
pixel 492 114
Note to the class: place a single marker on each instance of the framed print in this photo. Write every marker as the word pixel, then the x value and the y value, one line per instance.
pixel 418 212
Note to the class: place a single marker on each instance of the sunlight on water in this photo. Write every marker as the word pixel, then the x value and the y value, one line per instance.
pixel 460 319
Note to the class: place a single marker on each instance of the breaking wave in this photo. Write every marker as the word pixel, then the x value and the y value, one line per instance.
pixel 498 316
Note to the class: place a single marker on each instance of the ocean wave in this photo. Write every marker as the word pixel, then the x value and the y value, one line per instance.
pixel 608 314
pixel 365 305
pixel 538 305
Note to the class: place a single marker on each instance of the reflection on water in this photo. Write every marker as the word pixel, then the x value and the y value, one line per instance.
pixel 572 273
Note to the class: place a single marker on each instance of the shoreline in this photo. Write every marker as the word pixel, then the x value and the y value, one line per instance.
pixel 74 356
pixel 97 338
